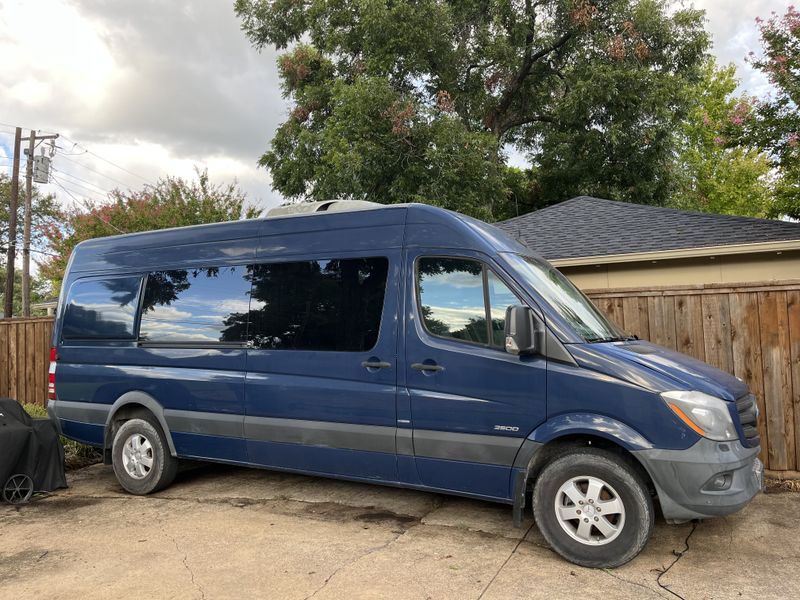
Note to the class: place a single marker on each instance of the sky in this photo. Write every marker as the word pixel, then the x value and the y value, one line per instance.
pixel 139 90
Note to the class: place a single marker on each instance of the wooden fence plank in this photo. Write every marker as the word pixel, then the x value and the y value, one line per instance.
pixel 12 361
pixel 793 310
pixel 661 315
pixel 747 364
pixel 689 326
pixel 4 368
pixel 716 330
pixel 30 363
pixel 773 318
pixel 613 309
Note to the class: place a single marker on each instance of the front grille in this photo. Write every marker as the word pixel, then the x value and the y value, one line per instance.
pixel 747 409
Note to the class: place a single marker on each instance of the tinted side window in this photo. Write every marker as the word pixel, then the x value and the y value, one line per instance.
pixel 451 298
pixel 101 309
pixel 202 305
pixel 333 305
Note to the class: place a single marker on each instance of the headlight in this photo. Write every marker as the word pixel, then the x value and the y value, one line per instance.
pixel 707 415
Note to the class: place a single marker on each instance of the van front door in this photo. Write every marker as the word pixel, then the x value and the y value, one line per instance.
pixel 471 403
pixel 321 371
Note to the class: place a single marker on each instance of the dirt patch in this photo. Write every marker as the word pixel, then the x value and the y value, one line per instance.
pixel 778 486
pixel 330 511
pixel 18 564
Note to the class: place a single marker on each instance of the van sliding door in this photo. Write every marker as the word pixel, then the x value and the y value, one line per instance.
pixel 321 367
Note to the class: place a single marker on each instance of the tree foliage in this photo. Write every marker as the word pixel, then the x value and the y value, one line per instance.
pixel 172 202
pixel 44 213
pixel 716 170
pixel 777 126
pixel 408 101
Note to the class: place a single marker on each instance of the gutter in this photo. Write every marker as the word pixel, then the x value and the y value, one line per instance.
pixel 709 251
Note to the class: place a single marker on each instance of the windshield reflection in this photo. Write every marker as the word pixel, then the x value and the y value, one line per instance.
pixel 566 299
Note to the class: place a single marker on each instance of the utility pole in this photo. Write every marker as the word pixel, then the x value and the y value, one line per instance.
pixel 12 227
pixel 26 233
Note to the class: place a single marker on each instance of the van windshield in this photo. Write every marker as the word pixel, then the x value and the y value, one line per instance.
pixel 565 298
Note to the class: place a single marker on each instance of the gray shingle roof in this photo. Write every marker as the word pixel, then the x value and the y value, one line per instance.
pixel 586 226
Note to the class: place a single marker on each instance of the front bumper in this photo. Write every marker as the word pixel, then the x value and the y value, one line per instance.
pixel 684 479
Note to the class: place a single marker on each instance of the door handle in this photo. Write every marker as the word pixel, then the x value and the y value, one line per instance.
pixel 426 367
pixel 376 364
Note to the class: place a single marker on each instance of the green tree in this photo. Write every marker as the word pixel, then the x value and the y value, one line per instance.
pixel 716 170
pixel 44 213
pixel 417 101
pixel 777 126
pixel 172 202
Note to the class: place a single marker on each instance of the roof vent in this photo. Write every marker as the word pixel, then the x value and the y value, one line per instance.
pixel 305 208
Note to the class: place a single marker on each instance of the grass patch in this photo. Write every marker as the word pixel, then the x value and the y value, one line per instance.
pixel 76 455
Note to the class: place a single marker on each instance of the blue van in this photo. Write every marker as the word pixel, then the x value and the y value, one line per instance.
pixel 404 345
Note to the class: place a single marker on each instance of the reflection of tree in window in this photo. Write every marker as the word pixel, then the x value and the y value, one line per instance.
pixel 195 305
pixel 451 293
pixel 101 309
pixel 317 305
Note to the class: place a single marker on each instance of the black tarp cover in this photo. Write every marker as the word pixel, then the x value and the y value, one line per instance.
pixel 30 447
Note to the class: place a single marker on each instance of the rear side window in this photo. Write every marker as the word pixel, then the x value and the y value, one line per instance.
pixel 461 299
pixel 196 306
pixel 333 305
pixel 101 309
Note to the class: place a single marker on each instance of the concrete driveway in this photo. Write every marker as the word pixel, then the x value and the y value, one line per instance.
pixel 236 533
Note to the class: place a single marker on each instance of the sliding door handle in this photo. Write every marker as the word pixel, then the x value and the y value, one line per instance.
pixel 376 364
pixel 427 367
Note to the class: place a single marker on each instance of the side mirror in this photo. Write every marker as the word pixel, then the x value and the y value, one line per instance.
pixel 524 331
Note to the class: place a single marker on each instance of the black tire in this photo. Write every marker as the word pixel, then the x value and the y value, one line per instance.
pixel 632 527
pixel 163 467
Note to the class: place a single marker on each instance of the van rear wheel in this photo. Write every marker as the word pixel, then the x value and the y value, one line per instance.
pixel 593 508
pixel 140 457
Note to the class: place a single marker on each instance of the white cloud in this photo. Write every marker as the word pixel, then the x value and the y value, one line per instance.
pixel 158 88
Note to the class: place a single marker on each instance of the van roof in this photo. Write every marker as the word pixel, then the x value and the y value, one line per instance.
pixel 378 227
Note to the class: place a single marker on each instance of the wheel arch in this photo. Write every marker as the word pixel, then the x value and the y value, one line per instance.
pixel 557 437
pixel 127 407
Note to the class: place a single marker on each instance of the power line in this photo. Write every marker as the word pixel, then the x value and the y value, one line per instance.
pixel 83 188
pixel 72 160
pixel 70 175
pixel 80 192
pixel 91 212
pixel 145 179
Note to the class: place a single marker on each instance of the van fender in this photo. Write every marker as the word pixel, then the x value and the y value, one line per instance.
pixel 561 426
pixel 590 424
pixel 150 403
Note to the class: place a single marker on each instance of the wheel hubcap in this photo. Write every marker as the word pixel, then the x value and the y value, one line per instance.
pixel 590 510
pixel 137 456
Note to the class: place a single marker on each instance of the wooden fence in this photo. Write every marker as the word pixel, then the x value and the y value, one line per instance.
pixel 25 358
pixel 750 330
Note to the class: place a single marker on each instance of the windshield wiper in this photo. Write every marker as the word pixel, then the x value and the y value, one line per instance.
pixel 611 338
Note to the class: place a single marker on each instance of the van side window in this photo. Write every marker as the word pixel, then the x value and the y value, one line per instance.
pixel 333 305
pixel 452 298
pixel 500 298
pixel 101 309
pixel 199 305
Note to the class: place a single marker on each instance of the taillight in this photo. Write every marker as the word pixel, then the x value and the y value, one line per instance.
pixel 51 375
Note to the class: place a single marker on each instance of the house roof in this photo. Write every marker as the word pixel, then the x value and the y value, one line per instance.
pixel 593 227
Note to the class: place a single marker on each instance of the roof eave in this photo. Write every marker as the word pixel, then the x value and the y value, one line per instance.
pixel 707 251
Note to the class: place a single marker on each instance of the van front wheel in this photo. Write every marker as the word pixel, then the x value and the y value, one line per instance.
pixel 593 508
pixel 141 458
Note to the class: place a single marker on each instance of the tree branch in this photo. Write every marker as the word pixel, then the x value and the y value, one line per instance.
pixel 496 118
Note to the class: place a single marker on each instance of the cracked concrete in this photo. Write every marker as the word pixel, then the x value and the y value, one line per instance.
pixel 223 532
